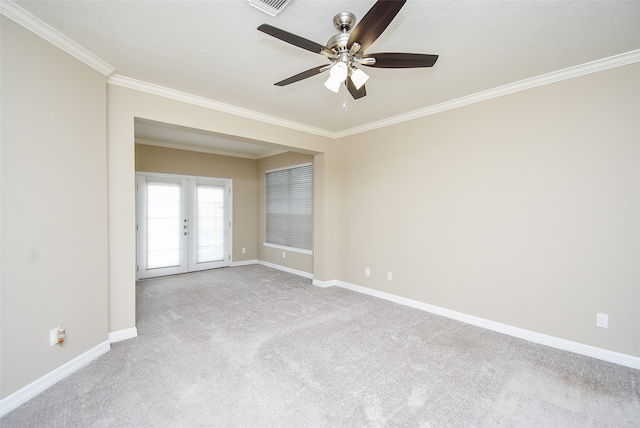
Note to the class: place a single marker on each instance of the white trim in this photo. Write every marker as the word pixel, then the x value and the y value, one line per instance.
pixel 48 33
pixel 286 269
pixel 188 177
pixel 244 263
pixel 556 76
pixel 300 165
pixel 28 392
pixel 120 335
pixel 324 284
pixel 522 85
pixel 138 85
pixel 531 336
pixel 284 247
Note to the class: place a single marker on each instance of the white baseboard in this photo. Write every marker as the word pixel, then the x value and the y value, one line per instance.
pixel 325 284
pixel 244 263
pixel 117 336
pixel 531 336
pixel 28 392
pixel 275 266
pixel 286 269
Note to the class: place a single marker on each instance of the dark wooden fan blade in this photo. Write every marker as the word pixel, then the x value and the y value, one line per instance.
pixel 401 60
pixel 374 22
pixel 309 73
pixel 298 41
pixel 356 93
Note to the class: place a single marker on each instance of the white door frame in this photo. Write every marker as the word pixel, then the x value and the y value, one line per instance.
pixel 188 186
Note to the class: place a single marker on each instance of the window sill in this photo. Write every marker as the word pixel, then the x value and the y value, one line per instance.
pixel 292 249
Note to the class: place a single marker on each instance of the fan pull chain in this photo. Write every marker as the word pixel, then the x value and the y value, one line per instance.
pixel 344 103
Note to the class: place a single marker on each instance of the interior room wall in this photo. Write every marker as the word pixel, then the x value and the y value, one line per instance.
pixel 242 172
pixel 288 259
pixel 54 207
pixel 325 220
pixel 524 209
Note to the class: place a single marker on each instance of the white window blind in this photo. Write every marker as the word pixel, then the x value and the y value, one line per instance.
pixel 289 206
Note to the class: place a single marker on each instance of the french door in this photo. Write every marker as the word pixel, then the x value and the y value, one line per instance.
pixel 183 224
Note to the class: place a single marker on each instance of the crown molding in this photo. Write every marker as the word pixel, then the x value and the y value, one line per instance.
pixel 173 94
pixel 33 24
pixel 522 85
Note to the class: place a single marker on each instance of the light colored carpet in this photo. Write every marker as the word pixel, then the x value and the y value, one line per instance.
pixel 256 347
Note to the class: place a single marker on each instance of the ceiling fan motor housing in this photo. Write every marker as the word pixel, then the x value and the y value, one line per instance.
pixel 339 42
pixel 344 21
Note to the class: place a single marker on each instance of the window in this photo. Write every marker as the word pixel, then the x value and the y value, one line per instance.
pixel 289 207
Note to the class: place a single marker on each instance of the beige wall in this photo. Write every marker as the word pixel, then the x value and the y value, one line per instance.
pixel 293 260
pixel 54 207
pixel 524 209
pixel 242 172
pixel 325 217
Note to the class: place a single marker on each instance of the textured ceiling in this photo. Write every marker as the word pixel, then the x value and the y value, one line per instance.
pixel 212 49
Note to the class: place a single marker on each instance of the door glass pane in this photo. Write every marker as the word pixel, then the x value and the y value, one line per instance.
pixel 210 223
pixel 163 225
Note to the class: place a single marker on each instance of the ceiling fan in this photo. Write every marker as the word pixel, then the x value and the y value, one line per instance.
pixel 346 49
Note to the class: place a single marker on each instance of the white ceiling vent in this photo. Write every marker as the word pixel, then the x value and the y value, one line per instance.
pixel 271 7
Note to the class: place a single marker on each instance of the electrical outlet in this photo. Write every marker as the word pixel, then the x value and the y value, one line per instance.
pixel 53 336
pixel 244 251
pixel 284 255
pixel 602 320
pixel 367 271
pixel 389 276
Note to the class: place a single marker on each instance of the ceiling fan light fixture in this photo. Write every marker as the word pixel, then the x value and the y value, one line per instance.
pixel 337 75
pixel 339 71
pixel 358 77
pixel 333 84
